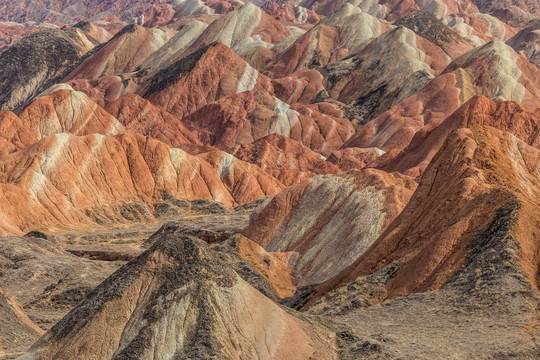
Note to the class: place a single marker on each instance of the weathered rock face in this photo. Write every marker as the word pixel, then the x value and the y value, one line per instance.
pixel 328 221
pixel 252 263
pixel 140 116
pixel 216 67
pixel 105 89
pixel 290 138
pixel 300 87
pixel 290 13
pixel 66 110
pixel 395 128
pixel 173 49
pixel 11 33
pixel 236 104
pixel 71 11
pixel 249 116
pixel 527 42
pixel 507 78
pixel 496 71
pixel 429 27
pixel 180 281
pixel 122 54
pixel 16 135
pixel 522 122
pixel 37 62
pixel 287 160
pixel 244 181
pixel 242 30
pixel 373 81
pixel 479 180
pixel 65 180
pixel 317 47
pixel 357 27
pixel 18 332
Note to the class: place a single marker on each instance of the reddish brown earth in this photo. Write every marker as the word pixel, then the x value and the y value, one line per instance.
pixel 320 179
pixel 510 116
pixel 291 14
pixel 476 173
pixel 141 117
pixel 340 216
pixel 122 54
pixel 12 33
pixel 285 159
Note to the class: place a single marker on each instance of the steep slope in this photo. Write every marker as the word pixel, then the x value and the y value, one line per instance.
pixel 480 191
pixel 206 308
pixel 328 221
pixel 319 46
pixel 224 102
pixel 177 89
pixel 66 180
pixel 123 53
pixel 246 117
pixel 66 110
pixel 508 76
pixel 493 70
pixel 522 122
pixel 37 62
pixel 527 42
pixel 242 29
pixel 173 49
pixel 244 181
pixel 18 332
pixel 372 81
pixel 140 116
pixel 429 27
pixel 286 159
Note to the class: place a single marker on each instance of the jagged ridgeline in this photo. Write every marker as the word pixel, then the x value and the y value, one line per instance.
pixel 316 179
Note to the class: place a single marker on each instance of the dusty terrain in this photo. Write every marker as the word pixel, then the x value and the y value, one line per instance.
pixel 316 179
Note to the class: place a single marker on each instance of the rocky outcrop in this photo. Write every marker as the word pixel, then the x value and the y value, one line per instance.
pixel 180 281
pixel 482 182
pixel 287 160
pixel 122 54
pixel 329 221
pixel 37 62
pixel 522 122
pixel 527 42
pixel 373 81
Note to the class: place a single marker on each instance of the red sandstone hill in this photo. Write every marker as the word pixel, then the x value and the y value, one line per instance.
pixel 476 174
pixel 322 179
